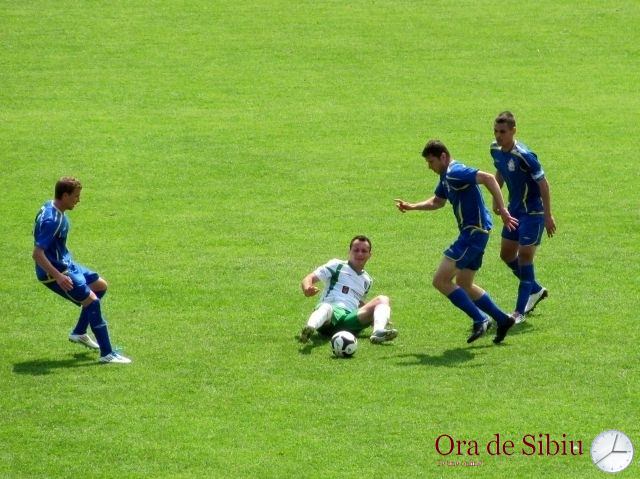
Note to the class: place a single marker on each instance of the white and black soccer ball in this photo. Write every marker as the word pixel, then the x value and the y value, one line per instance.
pixel 344 344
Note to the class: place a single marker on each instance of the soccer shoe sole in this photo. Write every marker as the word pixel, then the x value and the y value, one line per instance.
pixel 544 295
pixel 502 331
pixel 114 359
pixel 305 334
pixel 476 334
pixel 87 343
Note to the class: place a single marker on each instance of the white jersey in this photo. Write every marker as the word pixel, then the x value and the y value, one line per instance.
pixel 344 287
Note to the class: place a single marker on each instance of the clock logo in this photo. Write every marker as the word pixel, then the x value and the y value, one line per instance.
pixel 612 451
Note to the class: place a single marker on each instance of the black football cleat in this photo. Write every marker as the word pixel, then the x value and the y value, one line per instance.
pixel 478 330
pixel 503 329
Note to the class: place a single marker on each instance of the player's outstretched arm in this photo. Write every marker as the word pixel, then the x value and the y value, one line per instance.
pixel 432 203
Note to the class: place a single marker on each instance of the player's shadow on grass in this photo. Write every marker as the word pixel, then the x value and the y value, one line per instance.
pixel 41 367
pixel 314 342
pixel 522 328
pixel 449 358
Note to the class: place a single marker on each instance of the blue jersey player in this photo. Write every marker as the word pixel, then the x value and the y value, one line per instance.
pixel 459 185
pixel 529 202
pixel 56 269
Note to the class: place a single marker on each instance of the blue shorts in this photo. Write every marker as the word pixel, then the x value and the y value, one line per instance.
pixel 468 249
pixel 81 276
pixel 529 230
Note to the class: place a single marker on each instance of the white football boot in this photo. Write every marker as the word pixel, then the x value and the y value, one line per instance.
pixel 306 333
pixel 519 318
pixel 534 299
pixel 114 358
pixel 84 340
pixel 383 335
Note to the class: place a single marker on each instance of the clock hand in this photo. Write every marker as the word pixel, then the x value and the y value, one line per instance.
pixel 614 443
pixel 602 458
pixel 613 452
pixel 614 449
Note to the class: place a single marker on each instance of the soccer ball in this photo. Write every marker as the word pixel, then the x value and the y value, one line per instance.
pixel 344 344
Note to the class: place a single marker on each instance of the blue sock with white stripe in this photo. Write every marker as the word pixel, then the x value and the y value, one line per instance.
pixel 99 328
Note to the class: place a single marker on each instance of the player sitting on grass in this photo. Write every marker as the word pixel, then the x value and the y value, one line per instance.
pixel 342 306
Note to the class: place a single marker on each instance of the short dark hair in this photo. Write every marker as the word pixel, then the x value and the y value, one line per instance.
pixel 66 184
pixel 435 148
pixel 360 238
pixel 506 117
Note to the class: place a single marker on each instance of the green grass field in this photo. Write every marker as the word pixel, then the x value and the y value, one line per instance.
pixel 228 148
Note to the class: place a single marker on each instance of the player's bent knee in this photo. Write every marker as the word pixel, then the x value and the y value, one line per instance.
pixel 507 257
pixel 437 282
pixel 382 299
pixel 326 310
pixel 443 285
pixel 526 256
pixel 99 285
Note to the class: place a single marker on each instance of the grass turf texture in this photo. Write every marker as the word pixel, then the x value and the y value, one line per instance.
pixel 226 150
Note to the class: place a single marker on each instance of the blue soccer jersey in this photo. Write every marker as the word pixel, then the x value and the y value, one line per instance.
pixel 521 171
pixel 458 185
pixel 50 234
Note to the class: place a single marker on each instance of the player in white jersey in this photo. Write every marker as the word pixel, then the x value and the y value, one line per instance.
pixel 342 305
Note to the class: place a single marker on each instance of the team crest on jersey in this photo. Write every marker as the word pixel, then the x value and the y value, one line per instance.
pixel 511 165
pixel 345 290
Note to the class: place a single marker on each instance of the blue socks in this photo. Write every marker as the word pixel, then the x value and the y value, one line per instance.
pixel 83 320
pixel 515 269
pixel 98 326
pixel 525 288
pixel 488 306
pixel 461 300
